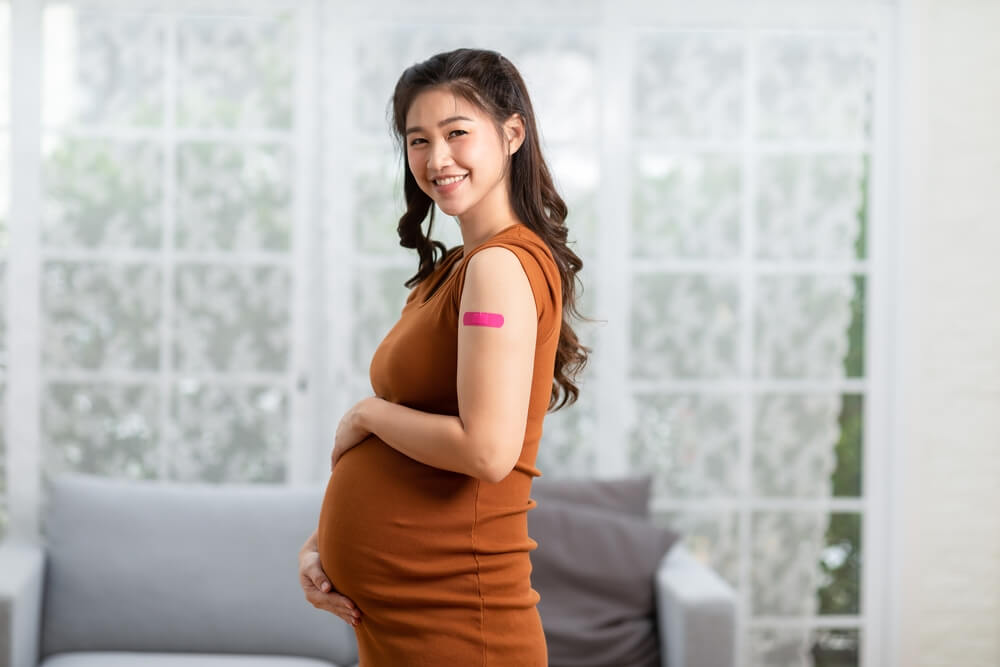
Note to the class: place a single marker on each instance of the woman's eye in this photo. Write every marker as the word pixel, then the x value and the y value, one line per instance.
pixel 414 142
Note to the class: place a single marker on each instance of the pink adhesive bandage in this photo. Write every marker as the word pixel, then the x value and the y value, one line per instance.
pixel 483 319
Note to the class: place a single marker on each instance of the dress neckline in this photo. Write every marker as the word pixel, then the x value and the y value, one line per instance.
pixel 449 261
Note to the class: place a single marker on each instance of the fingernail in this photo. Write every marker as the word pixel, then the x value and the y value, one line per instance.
pixel 325 586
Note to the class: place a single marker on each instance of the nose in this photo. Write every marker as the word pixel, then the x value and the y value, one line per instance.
pixel 438 156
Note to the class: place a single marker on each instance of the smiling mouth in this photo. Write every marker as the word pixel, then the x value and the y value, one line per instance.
pixel 449 181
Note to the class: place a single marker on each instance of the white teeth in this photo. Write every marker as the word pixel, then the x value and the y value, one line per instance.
pixel 450 180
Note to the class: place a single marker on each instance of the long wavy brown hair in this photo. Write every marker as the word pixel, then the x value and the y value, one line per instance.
pixel 491 82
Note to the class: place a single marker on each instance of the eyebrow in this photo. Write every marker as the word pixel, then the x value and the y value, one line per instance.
pixel 440 124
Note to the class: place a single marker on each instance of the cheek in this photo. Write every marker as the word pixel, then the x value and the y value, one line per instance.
pixel 415 169
pixel 475 157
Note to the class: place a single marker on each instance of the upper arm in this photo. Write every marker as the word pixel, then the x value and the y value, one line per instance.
pixel 496 363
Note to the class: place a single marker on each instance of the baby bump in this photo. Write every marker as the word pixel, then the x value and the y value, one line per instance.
pixel 392 528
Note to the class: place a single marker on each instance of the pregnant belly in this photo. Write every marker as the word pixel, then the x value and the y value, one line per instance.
pixel 393 530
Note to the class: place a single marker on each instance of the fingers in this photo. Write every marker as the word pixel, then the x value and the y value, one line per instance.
pixel 336 604
pixel 346 609
pixel 320 592
pixel 310 566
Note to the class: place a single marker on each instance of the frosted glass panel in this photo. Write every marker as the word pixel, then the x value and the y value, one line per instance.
pixel 794 556
pixel 101 428
pixel 170 184
pixel 684 326
pixel 100 193
pixel 690 85
pixel 228 433
pixel 232 319
pixel 3 449
pixel 4 190
pixel 687 206
pixel 793 647
pixel 5 63
pixel 103 68
pixel 379 297
pixel 690 443
pixel 379 202
pixel 4 246
pixel 101 316
pixel 802 325
pixel 236 72
pixel 808 207
pixel 815 86
pixel 568 447
pixel 234 197
pixel 807 445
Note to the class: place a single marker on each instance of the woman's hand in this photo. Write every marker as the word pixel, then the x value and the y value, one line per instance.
pixel 317 587
pixel 350 432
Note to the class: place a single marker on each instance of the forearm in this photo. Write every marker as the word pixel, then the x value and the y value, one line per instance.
pixel 436 440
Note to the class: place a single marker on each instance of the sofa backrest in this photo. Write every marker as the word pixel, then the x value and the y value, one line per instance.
pixel 169 566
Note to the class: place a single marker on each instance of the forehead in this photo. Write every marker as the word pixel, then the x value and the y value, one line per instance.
pixel 437 104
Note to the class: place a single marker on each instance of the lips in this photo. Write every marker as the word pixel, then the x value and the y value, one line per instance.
pixel 450 186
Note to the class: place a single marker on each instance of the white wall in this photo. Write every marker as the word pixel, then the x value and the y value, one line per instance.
pixel 948 530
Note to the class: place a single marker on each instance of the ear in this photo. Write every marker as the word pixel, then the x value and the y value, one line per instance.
pixel 514 131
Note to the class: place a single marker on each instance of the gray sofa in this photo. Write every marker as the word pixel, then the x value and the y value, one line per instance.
pixel 181 575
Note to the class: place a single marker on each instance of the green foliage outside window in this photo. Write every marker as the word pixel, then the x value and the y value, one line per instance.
pixel 841 593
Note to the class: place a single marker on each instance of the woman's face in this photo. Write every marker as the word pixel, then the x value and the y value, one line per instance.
pixel 448 136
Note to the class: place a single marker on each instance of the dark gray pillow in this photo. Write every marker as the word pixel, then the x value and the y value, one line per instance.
pixel 627 494
pixel 594 570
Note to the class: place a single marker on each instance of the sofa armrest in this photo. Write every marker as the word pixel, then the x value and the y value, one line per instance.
pixel 696 612
pixel 22 570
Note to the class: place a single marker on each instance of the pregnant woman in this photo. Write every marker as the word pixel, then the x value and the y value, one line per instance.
pixel 422 542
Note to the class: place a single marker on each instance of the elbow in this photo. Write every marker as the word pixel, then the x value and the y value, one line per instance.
pixel 495 474
pixel 495 467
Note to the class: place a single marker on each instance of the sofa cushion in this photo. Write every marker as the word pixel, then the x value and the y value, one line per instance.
pixel 629 495
pixel 168 566
pixel 594 570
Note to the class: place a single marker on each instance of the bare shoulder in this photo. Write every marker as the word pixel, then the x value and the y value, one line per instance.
pixel 497 256
pixel 497 268
pixel 495 276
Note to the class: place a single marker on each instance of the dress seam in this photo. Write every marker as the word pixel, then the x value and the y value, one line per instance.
pixel 479 583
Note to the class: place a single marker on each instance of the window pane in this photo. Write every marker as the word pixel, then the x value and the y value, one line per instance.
pixel 807 445
pixel 103 68
pixel 236 72
pixel 101 428
pixel 228 433
pixel 686 206
pixel 102 193
pixel 712 537
pixel 805 563
pixel 791 647
pixel 684 326
pixel 809 326
pixel 689 443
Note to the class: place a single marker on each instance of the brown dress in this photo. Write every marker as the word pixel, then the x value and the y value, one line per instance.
pixel 437 561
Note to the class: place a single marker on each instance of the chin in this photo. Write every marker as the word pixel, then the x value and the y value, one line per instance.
pixel 451 210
